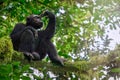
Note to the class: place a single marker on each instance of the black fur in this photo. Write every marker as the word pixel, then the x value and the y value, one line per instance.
pixel 46 46
pixel 32 22
pixel 36 47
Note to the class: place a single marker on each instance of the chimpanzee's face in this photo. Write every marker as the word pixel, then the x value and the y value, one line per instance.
pixel 34 21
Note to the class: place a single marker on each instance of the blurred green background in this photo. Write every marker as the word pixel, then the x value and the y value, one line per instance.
pixel 85 30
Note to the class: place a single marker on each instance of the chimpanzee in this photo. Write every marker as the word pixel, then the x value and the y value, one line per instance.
pixel 32 22
pixel 36 44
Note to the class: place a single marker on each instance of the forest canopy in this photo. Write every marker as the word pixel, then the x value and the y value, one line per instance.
pixel 82 35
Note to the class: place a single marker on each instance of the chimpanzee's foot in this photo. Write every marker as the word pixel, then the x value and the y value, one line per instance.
pixel 36 56
pixel 28 56
pixel 58 61
pixel 32 56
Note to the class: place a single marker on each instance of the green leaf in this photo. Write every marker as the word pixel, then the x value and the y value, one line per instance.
pixel 25 78
pixel 16 64
pixel 5 69
pixel 4 77
pixel 36 77
pixel 25 68
pixel 115 70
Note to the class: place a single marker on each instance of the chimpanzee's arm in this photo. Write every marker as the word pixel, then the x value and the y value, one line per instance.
pixel 52 53
pixel 50 29
pixel 15 34
pixel 18 30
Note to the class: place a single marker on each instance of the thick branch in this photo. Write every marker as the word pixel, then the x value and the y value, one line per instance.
pixel 79 66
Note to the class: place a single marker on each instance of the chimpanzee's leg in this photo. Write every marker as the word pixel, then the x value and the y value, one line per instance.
pixel 41 49
pixel 52 53
pixel 27 45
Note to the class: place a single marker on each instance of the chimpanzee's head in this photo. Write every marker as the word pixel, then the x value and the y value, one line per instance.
pixel 34 21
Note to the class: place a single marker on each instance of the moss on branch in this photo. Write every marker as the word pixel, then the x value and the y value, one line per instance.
pixel 79 66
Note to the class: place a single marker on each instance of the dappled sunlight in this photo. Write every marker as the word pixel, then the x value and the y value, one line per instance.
pixel 87 36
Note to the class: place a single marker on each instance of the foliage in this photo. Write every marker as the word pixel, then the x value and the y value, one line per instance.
pixel 73 70
pixel 72 31
pixel 13 71
pixel 115 70
pixel 79 23
pixel 6 49
pixel 109 63
pixel 113 57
